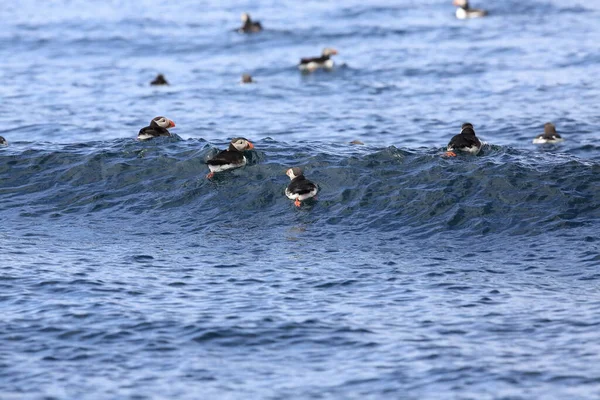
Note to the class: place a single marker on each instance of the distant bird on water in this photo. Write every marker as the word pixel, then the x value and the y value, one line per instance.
pixel 311 64
pixel 465 141
pixel 464 11
pixel 549 135
pixel 159 80
pixel 249 26
pixel 158 127
pixel 246 78
pixel 3 141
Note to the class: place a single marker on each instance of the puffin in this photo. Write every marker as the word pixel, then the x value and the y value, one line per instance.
pixel 311 64
pixel 247 78
pixel 299 188
pixel 231 158
pixel 3 141
pixel 549 135
pixel 249 26
pixel 464 11
pixel 159 80
pixel 158 127
pixel 465 141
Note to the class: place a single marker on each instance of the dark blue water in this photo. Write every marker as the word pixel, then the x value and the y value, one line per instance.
pixel 124 273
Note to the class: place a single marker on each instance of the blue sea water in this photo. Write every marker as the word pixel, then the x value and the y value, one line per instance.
pixel 125 274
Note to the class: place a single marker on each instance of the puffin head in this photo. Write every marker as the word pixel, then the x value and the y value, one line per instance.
pixel 241 144
pixel 245 17
pixel 549 129
pixel 328 51
pixel 294 172
pixel 461 3
pixel 467 129
pixel 162 122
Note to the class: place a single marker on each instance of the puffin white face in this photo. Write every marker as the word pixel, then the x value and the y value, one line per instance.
pixel 293 172
pixel 328 51
pixel 460 3
pixel 164 122
pixel 245 17
pixel 242 144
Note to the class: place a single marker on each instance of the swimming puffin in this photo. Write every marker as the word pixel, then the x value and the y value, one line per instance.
pixel 465 141
pixel 313 63
pixel 247 78
pixel 231 158
pixel 299 188
pixel 249 26
pixel 158 127
pixel 159 80
pixel 463 11
pixel 549 135
pixel 3 141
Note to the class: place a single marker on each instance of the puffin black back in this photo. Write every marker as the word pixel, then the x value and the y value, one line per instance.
pixel 159 80
pixel 226 157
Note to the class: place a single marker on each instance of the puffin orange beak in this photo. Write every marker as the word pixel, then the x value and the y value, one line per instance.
pixel 455 3
pixel 450 154
pixel 171 124
pixel 334 51
pixel 250 146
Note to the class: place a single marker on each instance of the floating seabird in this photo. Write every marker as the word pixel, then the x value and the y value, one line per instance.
pixel 231 158
pixel 299 188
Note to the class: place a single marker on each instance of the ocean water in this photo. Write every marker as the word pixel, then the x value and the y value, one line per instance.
pixel 125 274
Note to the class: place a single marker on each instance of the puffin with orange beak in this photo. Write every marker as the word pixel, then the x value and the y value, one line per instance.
pixel 158 127
pixel 231 158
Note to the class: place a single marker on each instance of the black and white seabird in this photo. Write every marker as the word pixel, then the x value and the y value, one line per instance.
pixel 231 158
pixel 159 80
pixel 249 26
pixel 465 141
pixel 549 135
pixel 313 63
pixel 464 11
pixel 299 188
pixel 158 127
pixel 3 141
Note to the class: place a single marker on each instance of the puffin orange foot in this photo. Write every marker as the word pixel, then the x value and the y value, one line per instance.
pixel 450 154
pixel 297 203
pixel 210 175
